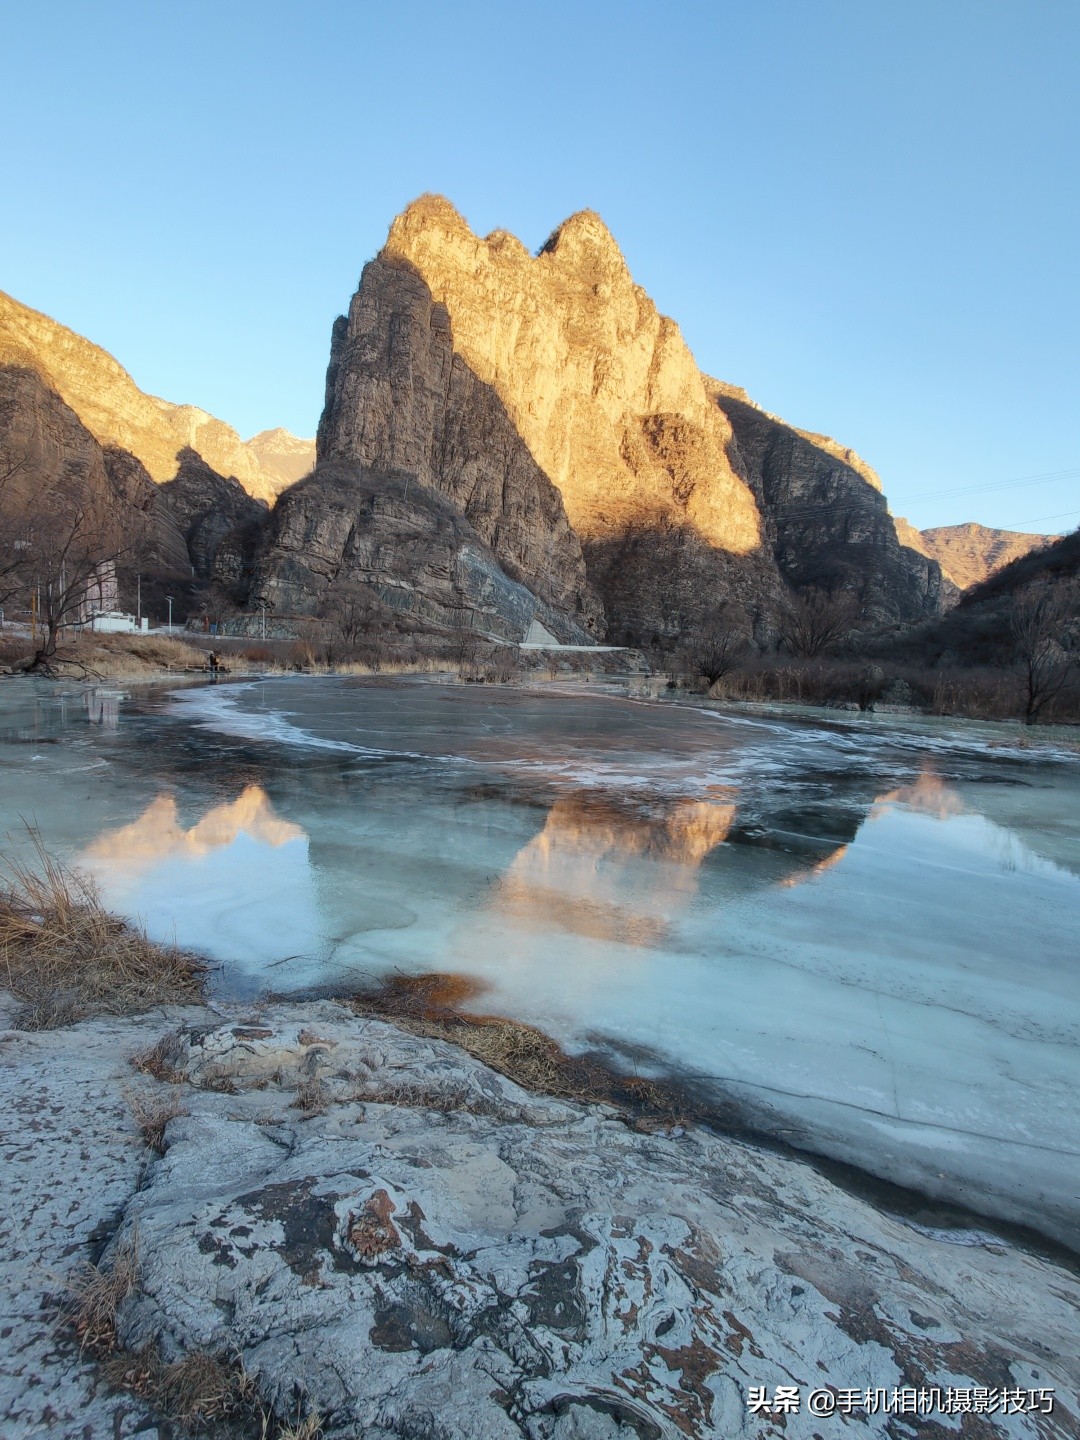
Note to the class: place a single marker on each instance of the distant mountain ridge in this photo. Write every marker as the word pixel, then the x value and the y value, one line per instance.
pixel 969 554
pixel 117 413
pixel 506 437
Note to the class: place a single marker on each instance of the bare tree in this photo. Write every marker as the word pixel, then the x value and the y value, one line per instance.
pixel 66 547
pixel 1043 622
pixel 353 618
pixel 812 621
pixel 718 644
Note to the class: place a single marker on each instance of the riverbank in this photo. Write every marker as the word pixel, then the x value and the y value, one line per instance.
pixel 375 1233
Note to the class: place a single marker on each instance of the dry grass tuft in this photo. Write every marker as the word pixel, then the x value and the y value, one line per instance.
pixel 428 1005
pixel 66 957
pixel 195 1392
pixel 152 1114
pixel 311 1097
pixel 201 1393
pixel 94 1297
pixel 200 1388
pixel 310 1428
pixel 159 1060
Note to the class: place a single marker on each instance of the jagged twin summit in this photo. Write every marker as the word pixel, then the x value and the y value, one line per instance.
pixel 506 436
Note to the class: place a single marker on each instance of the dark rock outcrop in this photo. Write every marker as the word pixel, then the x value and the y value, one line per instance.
pixel 346 527
pixel 828 524
pixel 47 456
pixel 209 509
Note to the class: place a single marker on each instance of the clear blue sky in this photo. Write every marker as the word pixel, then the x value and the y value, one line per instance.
pixel 865 211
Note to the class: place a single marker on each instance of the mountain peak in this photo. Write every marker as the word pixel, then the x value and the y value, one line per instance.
pixel 582 232
pixel 429 212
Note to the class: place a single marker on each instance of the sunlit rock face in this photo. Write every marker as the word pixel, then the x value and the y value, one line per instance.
pixel 600 385
pixel 969 554
pixel 283 455
pixel 117 413
pixel 605 394
pixel 679 498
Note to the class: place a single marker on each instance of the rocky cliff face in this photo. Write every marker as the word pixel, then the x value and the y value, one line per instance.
pixel 118 414
pixel 969 554
pixel 600 385
pixel 825 517
pixel 402 402
pixel 199 525
pixel 680 492
pixel 209 509
pixel 606 397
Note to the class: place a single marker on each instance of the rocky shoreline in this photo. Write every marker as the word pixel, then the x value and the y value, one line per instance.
pixel 396 1241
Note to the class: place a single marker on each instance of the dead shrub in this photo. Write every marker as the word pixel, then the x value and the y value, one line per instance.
pixel 65 957
pixel 152 1114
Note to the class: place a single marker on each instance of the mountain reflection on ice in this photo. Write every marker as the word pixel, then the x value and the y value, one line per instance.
pixel 863 930
pixel 216 886
pixel 608 876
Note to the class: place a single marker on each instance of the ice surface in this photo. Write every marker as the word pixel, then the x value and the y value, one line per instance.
pixel 865 931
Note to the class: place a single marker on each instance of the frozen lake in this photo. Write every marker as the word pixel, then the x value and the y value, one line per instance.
pixel 865 930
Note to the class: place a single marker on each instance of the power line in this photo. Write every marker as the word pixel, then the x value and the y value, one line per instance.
pixel 1061 515
pixel 1043 479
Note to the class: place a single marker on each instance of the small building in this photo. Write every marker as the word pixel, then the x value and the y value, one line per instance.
pixel 99 605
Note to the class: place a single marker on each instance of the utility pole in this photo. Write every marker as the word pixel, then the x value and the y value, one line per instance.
pixel 138 600
pixel 169 599
pixel 264 622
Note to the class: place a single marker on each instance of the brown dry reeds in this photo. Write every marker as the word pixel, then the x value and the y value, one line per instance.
pixel 199 1392
pixel 65 957
pixel 429 1005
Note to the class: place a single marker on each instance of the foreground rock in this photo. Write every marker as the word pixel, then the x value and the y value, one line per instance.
pixel 391 1235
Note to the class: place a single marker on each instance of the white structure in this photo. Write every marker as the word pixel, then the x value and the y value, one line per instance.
pixel 116 622
pixel 539 636
pixel 99 605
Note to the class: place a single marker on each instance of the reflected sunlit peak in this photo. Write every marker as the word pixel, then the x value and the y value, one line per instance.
pixel 929 795
pixel 158 833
